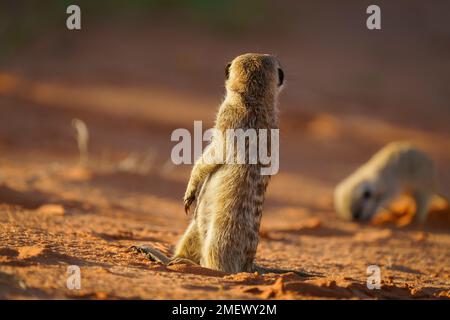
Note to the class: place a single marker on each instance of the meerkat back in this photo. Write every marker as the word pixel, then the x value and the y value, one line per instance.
pixel 409 165
pixel 230 205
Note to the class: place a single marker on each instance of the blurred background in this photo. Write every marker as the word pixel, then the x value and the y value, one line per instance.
pixel 139 69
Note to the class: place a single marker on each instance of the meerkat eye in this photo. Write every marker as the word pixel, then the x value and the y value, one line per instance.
pixel 366 194
pixel 227 71
pixel 280 76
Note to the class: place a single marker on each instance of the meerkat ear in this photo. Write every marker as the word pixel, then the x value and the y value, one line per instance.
pixel 227 71
pixel 280 76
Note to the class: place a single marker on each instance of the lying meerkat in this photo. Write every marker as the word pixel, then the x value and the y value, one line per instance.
pixel 398 167
pixel 224 232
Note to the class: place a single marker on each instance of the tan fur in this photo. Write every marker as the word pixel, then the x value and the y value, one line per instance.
pixel 397 168
pixel 224 232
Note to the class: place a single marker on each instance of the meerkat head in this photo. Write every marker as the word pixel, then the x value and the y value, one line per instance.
pixel 357 198
pixel 254 75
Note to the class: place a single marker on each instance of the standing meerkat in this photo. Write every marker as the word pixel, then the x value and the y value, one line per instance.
pixel 398 167
pixel 224 232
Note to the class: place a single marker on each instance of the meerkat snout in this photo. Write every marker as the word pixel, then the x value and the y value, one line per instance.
pixel 365 202
pixel 356 199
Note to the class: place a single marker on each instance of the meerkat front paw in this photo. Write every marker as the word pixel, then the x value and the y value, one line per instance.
pixel 188 199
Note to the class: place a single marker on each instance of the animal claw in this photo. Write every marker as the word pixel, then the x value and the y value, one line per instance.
pixel 187 203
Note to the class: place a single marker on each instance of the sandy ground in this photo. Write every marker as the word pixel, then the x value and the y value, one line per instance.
pixel 55 213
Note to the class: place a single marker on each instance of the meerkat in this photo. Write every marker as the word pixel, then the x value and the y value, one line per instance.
pixel 397 168
pixel 224 232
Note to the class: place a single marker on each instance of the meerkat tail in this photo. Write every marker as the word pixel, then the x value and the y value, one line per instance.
pixel 263 270
pixel 152 254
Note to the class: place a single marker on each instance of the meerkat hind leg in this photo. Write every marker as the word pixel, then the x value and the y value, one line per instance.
pixel 186 251
pixel 188 247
